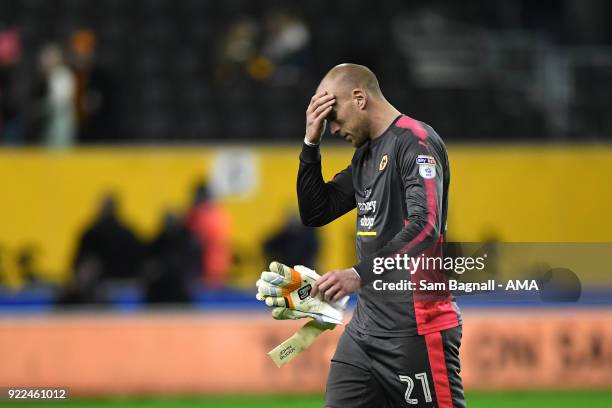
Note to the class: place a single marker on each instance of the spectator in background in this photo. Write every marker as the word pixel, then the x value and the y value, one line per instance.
pixel 173 262
pixel 211 225
pixel 96 119
pixel 28 265
pixel 294 244
pixel 107 250
pixel 239 58
pixel 287 46
pixel 11 126
pixel 59 114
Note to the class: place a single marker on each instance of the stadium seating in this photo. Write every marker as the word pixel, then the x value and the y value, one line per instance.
pixel 162 56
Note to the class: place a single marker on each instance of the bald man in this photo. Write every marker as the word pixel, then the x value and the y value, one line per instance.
pixel 401 347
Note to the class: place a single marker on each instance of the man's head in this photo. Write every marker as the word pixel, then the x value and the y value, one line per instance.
pixel 108 207
pixel 357 91
pixel 51 57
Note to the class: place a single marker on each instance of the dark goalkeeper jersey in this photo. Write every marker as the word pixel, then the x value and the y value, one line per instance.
pixel 399 184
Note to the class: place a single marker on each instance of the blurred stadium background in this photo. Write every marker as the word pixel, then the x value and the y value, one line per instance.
pixel 147 169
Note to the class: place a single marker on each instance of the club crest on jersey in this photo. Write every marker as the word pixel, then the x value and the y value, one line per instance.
pixel 427 166
pixel 383 162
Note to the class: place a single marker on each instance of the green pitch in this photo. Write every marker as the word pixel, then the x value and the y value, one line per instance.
pixel 594 399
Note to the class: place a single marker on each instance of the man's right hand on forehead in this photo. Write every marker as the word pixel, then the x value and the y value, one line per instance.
pixel 320 106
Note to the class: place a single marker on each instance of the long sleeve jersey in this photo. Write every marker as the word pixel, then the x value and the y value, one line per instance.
pixel 399 183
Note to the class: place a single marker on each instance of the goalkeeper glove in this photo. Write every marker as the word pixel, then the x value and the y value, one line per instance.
pixel 287 290
pixel 283 313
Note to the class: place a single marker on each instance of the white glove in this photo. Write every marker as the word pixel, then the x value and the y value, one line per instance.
pixel 287 290
pixel 283 313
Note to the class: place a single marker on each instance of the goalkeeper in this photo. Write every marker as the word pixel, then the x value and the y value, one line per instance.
pixel 399 349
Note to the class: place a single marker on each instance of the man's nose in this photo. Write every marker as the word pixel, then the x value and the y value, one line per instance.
pixel 334 128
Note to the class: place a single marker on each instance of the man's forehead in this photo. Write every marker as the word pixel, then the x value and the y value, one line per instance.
pixel 323 87
pixel 328 85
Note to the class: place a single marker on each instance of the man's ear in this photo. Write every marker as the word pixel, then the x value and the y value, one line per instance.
pixel 360 98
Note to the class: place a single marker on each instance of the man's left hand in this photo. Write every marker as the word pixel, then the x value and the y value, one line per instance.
pixel 334 285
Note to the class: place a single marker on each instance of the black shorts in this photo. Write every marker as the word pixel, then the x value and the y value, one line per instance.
pixel 377 372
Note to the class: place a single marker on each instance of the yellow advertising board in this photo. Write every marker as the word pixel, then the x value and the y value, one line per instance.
pixel 509 193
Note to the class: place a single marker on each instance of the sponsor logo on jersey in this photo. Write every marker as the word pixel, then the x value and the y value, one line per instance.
pixel 367 206
pixel 423 159
pixel 383 162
